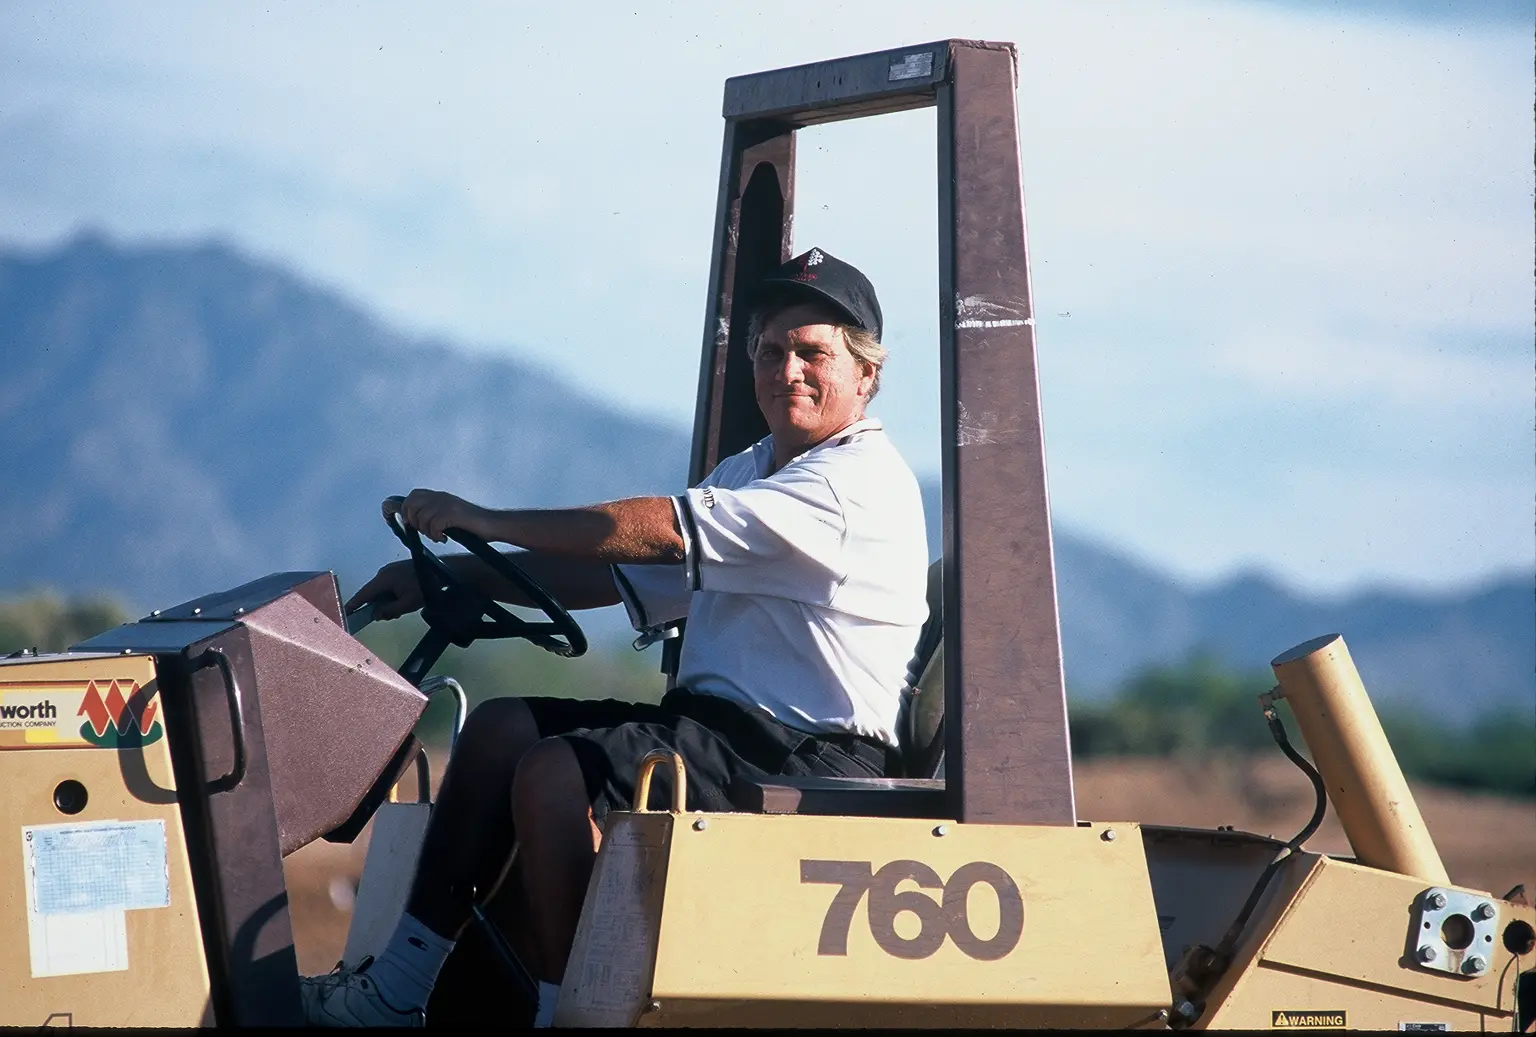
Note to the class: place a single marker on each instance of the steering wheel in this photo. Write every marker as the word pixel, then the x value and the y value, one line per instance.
pixel 457 612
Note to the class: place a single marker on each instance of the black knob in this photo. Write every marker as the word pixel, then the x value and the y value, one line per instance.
pixel 69 796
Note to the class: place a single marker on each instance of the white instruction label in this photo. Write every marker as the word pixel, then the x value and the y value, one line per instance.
pixel 68 945
pixel 96 866
pixel 71 944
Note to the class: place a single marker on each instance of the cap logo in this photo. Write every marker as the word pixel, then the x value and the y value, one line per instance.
pixel 812 258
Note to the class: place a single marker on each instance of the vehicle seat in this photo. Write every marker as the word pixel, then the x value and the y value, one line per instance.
pixel 918 790
pixel 920 725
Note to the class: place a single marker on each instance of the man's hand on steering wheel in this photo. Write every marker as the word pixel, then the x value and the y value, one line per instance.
pixel 433 512
pixel 394 591
pixel 457 611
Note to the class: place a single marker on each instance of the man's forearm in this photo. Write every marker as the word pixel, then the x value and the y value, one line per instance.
pixel 638 530
pixel 575 583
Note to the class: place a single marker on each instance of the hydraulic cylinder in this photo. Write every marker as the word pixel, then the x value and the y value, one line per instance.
pixel 1365 784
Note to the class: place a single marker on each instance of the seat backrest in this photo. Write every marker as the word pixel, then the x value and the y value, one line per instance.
pixel 921 723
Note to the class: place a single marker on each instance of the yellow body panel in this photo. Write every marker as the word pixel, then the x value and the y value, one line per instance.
pixel 608 978
pixel 1336 938
pixel 1304 1000
pixel 800 920
pixel 165 982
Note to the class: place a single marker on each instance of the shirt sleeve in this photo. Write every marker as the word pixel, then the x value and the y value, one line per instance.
pixel 782 536
pixel 655 596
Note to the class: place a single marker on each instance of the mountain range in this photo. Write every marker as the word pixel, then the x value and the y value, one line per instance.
pixel 178 418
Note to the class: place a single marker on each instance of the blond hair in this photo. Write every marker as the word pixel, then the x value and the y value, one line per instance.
pixel 862 344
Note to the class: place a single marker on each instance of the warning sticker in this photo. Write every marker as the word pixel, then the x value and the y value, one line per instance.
pixel 96 866
pixel 1307 1020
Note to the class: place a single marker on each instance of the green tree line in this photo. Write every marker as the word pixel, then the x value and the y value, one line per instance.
pixel 51 624
pixel 1200 707
pixel 1195 708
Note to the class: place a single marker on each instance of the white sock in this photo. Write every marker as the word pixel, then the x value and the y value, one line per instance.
pixel 548 994
pixel 408 968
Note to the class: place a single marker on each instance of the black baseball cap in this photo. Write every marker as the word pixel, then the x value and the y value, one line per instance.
pixel 819 276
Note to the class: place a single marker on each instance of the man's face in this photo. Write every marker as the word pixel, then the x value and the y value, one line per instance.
pixel 808 385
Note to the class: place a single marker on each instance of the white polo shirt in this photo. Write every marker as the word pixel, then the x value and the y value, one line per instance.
pixel 804 590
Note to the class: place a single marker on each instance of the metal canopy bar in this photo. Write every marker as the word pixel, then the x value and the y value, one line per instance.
pixel 753 220
pixel 825 91
pixel 1008 757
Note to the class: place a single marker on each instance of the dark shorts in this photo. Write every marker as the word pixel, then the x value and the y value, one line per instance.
pixel 719 742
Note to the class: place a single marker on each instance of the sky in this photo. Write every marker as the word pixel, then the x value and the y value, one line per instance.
pixel 1281 252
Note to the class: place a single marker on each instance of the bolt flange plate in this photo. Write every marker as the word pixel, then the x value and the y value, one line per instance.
pixel 1453 931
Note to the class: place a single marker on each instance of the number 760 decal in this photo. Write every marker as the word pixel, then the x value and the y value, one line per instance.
pixel 937 919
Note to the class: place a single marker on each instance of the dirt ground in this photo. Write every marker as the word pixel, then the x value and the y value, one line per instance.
pixel 1487 843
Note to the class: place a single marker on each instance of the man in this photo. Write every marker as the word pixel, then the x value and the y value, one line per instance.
pixel 800 566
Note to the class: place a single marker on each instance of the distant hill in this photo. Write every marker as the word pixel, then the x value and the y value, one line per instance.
pixel 176 419
pixel 1454 654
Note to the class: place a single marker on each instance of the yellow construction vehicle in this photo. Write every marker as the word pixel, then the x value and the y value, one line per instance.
pixel 155 776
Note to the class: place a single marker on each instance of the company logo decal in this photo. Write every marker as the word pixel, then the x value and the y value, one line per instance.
pixel 105 714
pixel 44 710
pixel 118 718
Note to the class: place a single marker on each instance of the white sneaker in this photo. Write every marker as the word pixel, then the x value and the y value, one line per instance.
pixel 348 997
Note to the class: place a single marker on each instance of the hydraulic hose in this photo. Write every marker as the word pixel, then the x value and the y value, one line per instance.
pixel 1277 729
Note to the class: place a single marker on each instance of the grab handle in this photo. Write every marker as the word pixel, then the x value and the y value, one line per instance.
pixel 236 719
pixel 643 781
